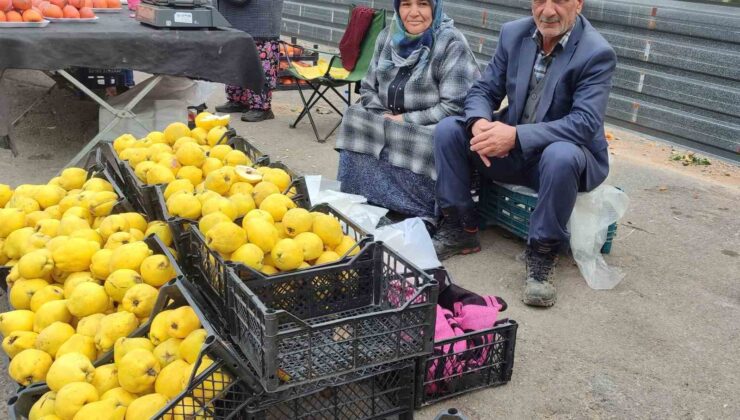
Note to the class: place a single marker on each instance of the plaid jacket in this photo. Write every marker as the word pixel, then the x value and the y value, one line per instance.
pixel 433 92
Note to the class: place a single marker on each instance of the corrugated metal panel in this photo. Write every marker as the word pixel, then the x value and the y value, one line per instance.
pixel 678 75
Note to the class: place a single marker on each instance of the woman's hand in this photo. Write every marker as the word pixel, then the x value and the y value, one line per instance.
pixel 396 118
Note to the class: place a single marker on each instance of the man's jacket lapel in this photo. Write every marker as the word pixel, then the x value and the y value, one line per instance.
pixel 527 54
pixel 557 67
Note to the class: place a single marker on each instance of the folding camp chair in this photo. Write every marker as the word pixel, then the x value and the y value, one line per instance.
pixel 322 84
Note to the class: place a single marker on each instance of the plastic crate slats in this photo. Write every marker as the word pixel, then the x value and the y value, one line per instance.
pixel 511 210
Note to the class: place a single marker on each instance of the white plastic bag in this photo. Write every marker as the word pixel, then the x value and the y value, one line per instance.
pixel 592 215
pixel 353 206
pixel 410 238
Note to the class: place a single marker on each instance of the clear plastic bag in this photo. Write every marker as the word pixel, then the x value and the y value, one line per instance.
pixel 411 239
pixel 592 215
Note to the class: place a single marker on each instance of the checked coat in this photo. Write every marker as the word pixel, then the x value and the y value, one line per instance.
pixel 436 89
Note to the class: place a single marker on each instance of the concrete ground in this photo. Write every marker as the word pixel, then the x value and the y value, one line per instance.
pixel 665 343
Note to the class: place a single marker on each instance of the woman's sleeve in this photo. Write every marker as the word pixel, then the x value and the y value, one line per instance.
pixel 370 99
pixel 458 70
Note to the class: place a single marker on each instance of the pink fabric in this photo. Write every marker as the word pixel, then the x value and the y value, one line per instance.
pixel 477 317
pixel 445 327
pixel 456 360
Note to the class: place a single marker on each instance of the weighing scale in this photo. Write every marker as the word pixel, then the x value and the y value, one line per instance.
pixel 180 14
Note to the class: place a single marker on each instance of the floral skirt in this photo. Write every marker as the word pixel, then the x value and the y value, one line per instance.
pixel 269 53
pixel 385 185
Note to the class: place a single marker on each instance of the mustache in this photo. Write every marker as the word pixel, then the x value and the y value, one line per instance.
pixel 550 20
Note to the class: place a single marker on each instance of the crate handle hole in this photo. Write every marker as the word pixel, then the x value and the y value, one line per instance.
pixel 13 400
pixel 452 411
pixel 210 339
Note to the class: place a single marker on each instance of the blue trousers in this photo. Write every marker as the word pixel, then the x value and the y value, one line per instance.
pixel 556 174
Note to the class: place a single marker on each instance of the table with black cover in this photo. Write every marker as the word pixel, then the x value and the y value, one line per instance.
pixel 118 41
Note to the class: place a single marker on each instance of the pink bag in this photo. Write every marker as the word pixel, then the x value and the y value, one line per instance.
pixel 478 318
pixel 461 311
pixel 445 363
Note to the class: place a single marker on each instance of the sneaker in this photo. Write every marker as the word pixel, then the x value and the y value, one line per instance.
pixel 453 237
pixel 540 261
pixel 230 107
pixel 257 115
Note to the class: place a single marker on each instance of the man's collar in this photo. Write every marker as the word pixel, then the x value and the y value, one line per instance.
pixel 537 36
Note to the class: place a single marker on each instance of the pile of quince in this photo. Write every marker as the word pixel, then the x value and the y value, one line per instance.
pixel 80 277
pixel 246 214
pixel 146 374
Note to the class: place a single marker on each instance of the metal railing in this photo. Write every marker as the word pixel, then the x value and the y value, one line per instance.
pixel 678 76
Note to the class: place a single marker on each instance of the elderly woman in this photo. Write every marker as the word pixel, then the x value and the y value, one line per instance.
pixel 420 73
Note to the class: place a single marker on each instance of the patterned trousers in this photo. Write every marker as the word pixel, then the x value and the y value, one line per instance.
pixel 269 53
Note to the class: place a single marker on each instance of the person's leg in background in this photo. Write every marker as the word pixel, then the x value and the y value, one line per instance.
pixel 236 100
pixel 5 118
pixel 556 177
pixel 260 104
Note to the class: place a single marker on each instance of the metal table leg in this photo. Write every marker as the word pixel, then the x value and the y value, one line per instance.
pixel 118 114
pixel 5 141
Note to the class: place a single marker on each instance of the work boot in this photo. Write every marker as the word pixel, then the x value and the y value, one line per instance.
pixel 540 260
pixel 257 115
pixel 230 107
pixel 456 234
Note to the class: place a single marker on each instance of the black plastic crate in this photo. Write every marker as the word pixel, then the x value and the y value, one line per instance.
pixel 228 388
pixel 104 157
pixel 4 271
pixel 208 389
pixel 98 168
pixel 316 324
pixel 102 78
pixel 143 195
pixel 180 227
pixel 511 210
pixel 487 361
pixel 388 393
pixel 209 270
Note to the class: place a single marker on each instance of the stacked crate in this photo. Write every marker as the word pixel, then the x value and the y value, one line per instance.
pixel 349 339
pixel 291 53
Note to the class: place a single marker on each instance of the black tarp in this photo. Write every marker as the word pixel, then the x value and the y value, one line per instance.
pixel 118 41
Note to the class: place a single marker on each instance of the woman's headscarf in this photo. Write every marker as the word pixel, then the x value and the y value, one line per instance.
pixel 406 45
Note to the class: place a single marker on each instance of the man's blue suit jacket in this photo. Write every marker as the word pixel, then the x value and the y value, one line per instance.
pixel 573 101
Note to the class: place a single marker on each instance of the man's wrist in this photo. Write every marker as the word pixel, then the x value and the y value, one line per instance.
pixel 469 125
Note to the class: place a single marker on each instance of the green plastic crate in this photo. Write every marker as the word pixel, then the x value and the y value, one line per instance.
pixel 500 206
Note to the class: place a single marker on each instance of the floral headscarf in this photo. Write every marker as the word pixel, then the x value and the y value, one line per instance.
pixel 406 44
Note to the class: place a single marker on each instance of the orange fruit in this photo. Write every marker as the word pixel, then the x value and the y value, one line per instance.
pixel 14 16
pixel 114 4
pixel 70 12
pixel 59 3
pixel 52 11
pixel 22 5
pixel 87 13
pixel 100 4
pixel 5 5
pixel 32 16
pixel 2 17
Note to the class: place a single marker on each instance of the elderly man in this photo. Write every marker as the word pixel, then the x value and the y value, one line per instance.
pixel 556 70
